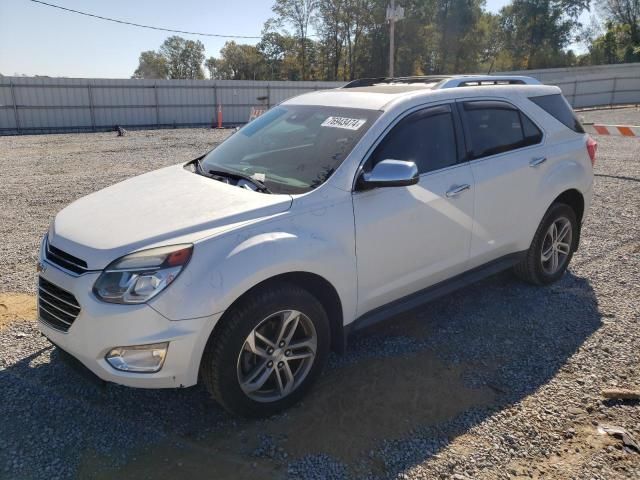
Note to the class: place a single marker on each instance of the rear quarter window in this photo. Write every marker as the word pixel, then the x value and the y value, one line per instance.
pixel 558 107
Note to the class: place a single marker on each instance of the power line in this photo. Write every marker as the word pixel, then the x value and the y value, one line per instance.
pixel 115 20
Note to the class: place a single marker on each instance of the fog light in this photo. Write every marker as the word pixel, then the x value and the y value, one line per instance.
pixel 138 358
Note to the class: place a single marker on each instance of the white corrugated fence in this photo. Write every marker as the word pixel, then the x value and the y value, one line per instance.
pixel 593 86
pixel 43 104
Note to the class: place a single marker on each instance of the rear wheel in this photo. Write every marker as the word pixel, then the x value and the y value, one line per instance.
pixel 552 247
pixel 267 352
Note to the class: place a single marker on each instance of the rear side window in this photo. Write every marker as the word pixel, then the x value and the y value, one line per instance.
pixel 496 127
pixel 558 107
pixel 425 137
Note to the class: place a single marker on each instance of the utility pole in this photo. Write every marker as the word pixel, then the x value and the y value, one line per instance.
pixel 393 15
pixel 392 35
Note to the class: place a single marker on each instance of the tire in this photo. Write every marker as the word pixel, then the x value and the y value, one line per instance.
pixel 231 369
pixel 532 268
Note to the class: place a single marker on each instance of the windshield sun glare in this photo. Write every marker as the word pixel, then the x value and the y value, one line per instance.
pixel 292 149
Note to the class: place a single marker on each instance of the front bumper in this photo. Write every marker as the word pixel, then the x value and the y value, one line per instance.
pixel 101 326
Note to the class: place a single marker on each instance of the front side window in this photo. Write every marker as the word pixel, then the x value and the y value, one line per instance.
pixel 426 137
pixel 292 148
pixel 497 127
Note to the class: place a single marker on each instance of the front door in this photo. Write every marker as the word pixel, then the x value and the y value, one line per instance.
pixel 408 238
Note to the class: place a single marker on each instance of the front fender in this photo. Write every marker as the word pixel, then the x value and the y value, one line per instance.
pixel 223 268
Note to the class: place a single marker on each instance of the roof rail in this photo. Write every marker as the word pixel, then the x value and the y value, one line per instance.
pixel 447 81
pixel 478 80
pixel 368 82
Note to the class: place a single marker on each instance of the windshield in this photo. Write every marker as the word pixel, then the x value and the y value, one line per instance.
pixel 292 148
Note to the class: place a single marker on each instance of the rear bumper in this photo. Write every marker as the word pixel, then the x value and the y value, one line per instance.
pixel 101 326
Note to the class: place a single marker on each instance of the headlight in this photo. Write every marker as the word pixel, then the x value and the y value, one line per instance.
pixel 140 276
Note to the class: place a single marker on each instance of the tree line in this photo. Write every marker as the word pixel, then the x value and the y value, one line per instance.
pixel 347 39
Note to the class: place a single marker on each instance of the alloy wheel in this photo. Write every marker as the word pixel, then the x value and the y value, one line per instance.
pixel 556 245
pixel 277 356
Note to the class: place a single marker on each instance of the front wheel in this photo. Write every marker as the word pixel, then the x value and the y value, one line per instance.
pixel 267 352
pixel 552 247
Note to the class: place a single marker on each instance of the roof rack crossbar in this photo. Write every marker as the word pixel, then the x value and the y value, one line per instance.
pixel 447 81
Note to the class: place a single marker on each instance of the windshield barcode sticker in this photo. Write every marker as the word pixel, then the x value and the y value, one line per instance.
pixel 343 122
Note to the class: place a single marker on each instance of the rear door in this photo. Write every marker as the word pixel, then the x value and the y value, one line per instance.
pixel 507 157
pixel 408 238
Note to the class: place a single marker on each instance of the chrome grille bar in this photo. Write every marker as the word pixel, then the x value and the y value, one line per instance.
pixel 59 299
pixel 57 307
pixel 55 316
pixel 65 260
pixel 73 267
pixel 73 315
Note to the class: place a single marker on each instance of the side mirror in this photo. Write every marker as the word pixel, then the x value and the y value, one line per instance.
pixel 390 173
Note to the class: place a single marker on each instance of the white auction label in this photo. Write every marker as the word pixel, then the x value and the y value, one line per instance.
pixel 344 122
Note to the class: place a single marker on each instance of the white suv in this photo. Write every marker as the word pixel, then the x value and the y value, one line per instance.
pixel 333 210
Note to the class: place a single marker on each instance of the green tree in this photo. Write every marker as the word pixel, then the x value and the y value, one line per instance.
pixel 184 57
pixel 151 65
pixel 329 23
pixel 299 14
pixel 492 56
pixel 212 65
pixel 280 55
pixel 459 47
pixel 240 62
pixel 623 22
pixel 615 45
pixel 537 31
pixel 177 58
pixel 435 37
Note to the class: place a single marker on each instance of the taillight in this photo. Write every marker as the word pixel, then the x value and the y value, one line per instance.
pixel 592 147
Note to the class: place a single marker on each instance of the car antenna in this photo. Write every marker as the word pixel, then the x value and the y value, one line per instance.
pixel 493 61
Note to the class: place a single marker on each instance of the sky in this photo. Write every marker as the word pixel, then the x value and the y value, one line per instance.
pixel 40 40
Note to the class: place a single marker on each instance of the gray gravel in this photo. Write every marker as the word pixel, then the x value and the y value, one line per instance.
pixel 528 363
pixel 614 116
pixel 41 174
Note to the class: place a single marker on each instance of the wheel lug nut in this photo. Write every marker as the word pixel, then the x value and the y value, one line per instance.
pixel 270 364
pixel 270 350
pixel 280 364
pixel 287 353
pixel 281 344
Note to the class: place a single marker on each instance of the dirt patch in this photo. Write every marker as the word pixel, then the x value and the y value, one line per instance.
pixel 580 447
pixel 16 307
pixel 351 411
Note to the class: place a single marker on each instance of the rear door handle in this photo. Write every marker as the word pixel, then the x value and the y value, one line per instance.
pixel 537 161
pixel 457 190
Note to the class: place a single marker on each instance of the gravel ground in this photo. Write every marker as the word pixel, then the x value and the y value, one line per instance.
pixel 615 116
pixel 498 380
pixel 63 168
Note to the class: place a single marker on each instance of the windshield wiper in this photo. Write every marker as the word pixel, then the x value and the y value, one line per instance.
pixel 260 187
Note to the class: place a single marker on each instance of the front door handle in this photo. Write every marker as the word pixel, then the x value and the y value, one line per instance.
pixel 537 161
pixel 457 190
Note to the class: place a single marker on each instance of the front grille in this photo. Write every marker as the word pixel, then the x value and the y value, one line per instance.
pixel 56 307
pixel 64 260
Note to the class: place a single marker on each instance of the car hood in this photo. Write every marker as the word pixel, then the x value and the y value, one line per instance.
pixel 161 207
